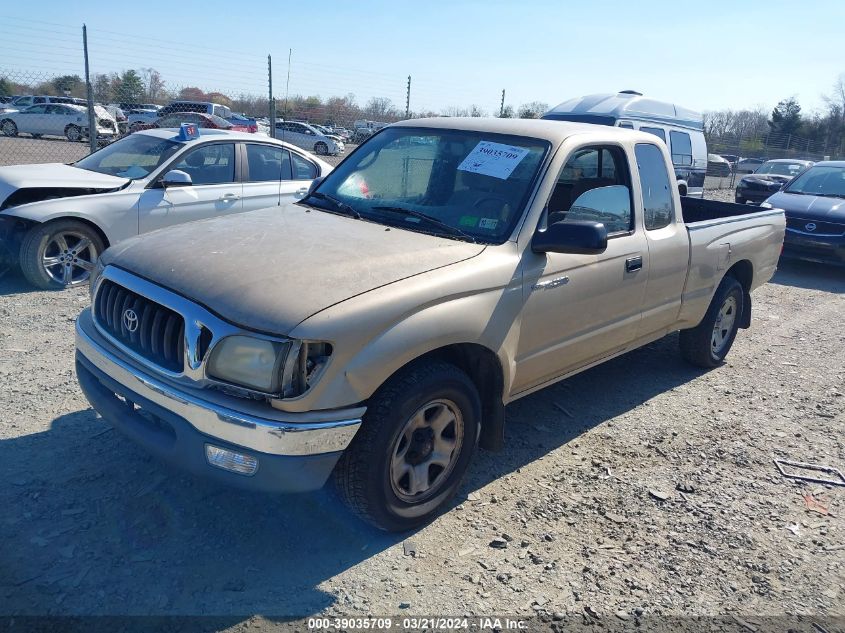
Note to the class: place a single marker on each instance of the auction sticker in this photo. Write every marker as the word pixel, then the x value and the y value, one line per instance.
pixel 493 159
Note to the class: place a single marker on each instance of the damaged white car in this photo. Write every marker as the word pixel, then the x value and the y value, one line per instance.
pixel 56 219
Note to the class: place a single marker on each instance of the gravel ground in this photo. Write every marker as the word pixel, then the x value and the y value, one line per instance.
pixel 641 487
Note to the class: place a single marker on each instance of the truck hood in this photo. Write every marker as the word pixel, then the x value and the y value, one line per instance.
pixel 64 180
pixel 809 207
pixel 271 269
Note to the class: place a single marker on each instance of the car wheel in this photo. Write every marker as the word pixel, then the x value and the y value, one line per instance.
pixel 321 149
pixel 417 439
pixel 60 254
pixel 740 200
pixel 73 133
pixel 707 344
pixel 9 128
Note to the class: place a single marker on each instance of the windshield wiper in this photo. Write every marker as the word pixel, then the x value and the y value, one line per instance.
pixel 428 218
pixel 340 205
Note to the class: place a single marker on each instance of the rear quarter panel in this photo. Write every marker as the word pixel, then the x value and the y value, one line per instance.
pixel 717 245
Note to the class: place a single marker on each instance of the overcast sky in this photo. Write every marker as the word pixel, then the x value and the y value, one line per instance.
pixel 709 55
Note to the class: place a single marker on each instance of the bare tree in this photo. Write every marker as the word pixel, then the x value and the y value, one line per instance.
pixel 154 84
pixel 533 110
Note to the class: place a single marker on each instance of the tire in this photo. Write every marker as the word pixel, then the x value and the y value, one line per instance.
pixel 321 149
pixel 9 128
pixel 73 133
pixel 60 254
pixel 367 476
pixel 707 344
pixel 740 200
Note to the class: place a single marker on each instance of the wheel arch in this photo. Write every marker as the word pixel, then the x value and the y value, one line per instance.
pixel 70 216
pixel 743 272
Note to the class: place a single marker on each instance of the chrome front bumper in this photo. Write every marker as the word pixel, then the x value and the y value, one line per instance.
pixel 246 423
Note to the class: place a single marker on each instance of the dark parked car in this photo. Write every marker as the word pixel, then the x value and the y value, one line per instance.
pixel 768 179
pixel 814 203
pixel 749 165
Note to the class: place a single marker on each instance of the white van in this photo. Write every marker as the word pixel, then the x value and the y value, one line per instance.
pixel 681 129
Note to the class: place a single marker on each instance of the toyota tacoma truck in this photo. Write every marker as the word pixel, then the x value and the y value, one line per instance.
pixel 373 332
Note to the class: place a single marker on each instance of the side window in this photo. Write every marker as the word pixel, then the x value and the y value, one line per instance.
pixel 681 148
pixel 589 169
pixel 39 100
pixel 39 109
pixel 657 193
pixel 627 125
pixel 302 169
pixel 657 131
pixel 209 164
pixel 267 163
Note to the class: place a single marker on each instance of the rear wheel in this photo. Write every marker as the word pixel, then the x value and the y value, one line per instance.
pixel 740 200
pixel 321 149
pixel 418 437
pixel 73 133
pixel 60 254
pixel 707 344
pixel 9 128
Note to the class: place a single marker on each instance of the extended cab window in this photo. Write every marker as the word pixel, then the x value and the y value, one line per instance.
pixel 654 180
pixel 593 168
pixel 681 148
pixel 657 131
pixel 209 164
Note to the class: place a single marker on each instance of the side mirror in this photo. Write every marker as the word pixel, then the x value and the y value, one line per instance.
pixel 314 184
pixel 579 237
pixel 176 178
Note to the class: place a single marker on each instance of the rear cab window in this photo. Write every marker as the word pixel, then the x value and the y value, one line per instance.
pixel 658 205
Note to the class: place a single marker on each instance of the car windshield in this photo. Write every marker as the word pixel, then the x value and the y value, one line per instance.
pixel 133 156
pixel 470 185
pixel 780 169
pixel 820 181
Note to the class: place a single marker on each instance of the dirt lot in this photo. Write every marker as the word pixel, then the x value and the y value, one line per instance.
pixel 587 498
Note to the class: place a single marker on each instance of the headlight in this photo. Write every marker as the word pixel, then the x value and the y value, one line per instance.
pixel 249 362
pixel 767 205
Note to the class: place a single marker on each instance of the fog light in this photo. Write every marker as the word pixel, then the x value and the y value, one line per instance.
pixel 230 460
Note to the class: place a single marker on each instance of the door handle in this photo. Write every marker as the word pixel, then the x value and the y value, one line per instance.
pixel 226 197
pixel 633 264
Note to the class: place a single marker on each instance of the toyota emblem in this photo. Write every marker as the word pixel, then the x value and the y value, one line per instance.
pixel 130 320
pixel 810 226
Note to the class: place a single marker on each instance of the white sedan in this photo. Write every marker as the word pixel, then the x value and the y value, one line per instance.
pixel 57 119
pixel 56 219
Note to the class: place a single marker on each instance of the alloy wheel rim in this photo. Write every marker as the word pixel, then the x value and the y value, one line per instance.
pixel 69 258
pixel 724 325
pixel 426 450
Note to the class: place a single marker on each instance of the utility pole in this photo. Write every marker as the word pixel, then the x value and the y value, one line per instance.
pixel 287 84
pixel 502 107
pixel 92 123
pixel 408 99
pixel 271 100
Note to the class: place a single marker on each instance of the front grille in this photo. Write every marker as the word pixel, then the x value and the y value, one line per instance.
pixel 159 334
pixel 822 228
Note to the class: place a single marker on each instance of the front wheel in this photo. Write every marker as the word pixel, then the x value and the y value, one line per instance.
pixel 60 254
pixel 707 344
pixel 414 446
pixel 321 149
pixel 73 133
pixel 9 128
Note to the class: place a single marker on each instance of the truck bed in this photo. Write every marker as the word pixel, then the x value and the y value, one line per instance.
pixel 722 235
pixel 700 210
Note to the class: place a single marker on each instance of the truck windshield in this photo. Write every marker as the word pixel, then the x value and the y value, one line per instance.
pixel 820 181
pixel 133 156
pixel 457 183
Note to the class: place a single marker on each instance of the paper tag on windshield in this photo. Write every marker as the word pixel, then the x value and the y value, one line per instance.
pixel 493 159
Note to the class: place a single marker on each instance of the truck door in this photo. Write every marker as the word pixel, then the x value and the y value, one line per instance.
pixel 215 190
pixel 581 308
pixel 667 241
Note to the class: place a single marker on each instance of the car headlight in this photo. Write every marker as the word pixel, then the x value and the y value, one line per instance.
pixel 249 362
pixel 767 205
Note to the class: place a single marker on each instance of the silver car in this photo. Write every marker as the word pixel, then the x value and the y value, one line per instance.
pixel 308 137
pixel 57 119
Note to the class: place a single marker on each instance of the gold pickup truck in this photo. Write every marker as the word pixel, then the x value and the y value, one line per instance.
pixel 374 331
